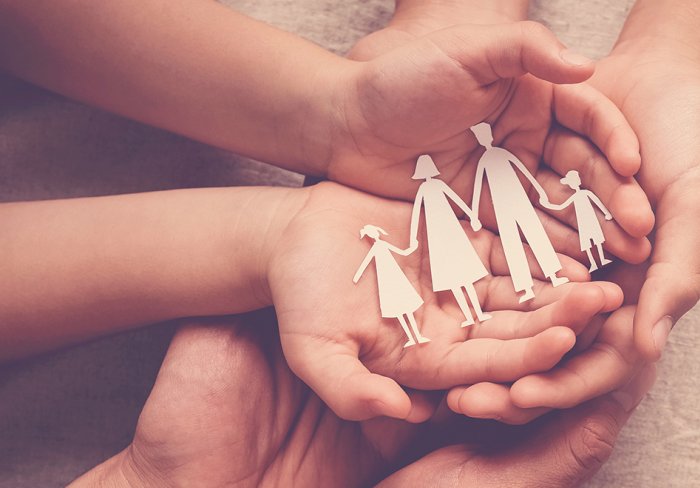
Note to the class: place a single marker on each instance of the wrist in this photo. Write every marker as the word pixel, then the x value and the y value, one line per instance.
pixel 319 127
pixel 116 472
pixel 661 28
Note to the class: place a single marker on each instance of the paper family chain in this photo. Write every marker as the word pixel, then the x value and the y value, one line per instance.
pixel 454 263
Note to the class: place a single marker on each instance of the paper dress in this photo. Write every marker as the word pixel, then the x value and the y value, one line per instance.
pixel 397 297
pixel 454 263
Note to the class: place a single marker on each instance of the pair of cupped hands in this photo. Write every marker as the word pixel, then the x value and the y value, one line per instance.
pixel 227 409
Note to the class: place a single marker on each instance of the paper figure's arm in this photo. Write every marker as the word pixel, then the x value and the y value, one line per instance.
pixel 401 252
pixel 478 183
pixel 452 195
pixel 78 268
pixel 363 266
pixel 594 198
pixel 560 206
pixel 533 181
pixel 415 217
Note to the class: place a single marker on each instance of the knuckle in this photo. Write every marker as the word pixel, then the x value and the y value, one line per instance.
pixel 594 443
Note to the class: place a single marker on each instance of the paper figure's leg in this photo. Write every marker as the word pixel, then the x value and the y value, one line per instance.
pixel 603 260
pixel 414 327
pixel 474 298
pixel 463 306
pixel 541 246
pixel 594 266
pixel 404 326
pixel 515 256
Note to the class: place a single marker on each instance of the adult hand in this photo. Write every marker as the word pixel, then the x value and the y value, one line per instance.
pixel 653 75
pixel 562 450
pixel 226 410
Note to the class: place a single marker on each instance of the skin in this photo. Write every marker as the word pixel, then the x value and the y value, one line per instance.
pixel 225 386
pixel 653 75
pixel 361 122
pixel 125 261
pixel 359 352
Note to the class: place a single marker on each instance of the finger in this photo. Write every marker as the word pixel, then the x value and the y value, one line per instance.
pixel 606 365
pixel 565 451
pixel 577 442
pixel 424 404
pixel 513 50
pixel 628 248
pixel 338 377
pixel 500 361
pixel 672 285
pixel 597 296
pixel 490 401
pixel 586 111
pixel 564 151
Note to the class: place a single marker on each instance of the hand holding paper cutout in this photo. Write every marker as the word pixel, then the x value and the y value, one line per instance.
pixel 527 121
pixel 333 335
pixel 605 359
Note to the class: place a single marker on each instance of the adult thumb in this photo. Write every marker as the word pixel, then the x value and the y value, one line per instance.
pixel 579 441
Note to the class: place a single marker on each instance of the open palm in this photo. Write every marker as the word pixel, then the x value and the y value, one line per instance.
pixel 419 95
pixel 335 339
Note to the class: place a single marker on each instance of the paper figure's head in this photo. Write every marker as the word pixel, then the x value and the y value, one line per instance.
pixel 483 134
pixel 425 168
pixel 572 179
pixel 372 231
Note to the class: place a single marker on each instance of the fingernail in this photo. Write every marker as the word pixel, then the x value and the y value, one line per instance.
pixel 634 392
pixel 575 58
pixel 660 333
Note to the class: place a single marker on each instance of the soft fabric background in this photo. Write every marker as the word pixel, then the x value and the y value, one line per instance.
pixel 65 412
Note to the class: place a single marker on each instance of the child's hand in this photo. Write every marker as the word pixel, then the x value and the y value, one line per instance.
pixel 422 97
pixel 335 339
pixel 608 364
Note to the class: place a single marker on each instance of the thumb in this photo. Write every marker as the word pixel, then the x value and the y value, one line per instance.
pixel 565 452
pixel 338 377
pixel 513 50
pixel 575 444
pixel 671 287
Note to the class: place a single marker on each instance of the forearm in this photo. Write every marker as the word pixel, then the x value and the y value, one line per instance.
pixel 443 13
pixel 190 66
pixel 664 23
pixel 78 268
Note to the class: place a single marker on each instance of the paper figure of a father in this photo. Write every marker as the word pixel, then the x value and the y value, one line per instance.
pixel 514 213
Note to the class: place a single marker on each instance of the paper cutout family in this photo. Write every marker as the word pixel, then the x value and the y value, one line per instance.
pixel 454 263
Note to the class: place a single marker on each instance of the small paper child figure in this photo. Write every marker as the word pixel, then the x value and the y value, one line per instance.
pixel 454 263
pixel 589 230
pixel 397 297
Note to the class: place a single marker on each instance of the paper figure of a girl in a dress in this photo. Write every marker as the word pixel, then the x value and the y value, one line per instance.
pixel 397 297
pixel 589 230
pixel 454 263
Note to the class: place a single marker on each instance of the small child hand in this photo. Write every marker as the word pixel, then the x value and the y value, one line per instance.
pixel 334 338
